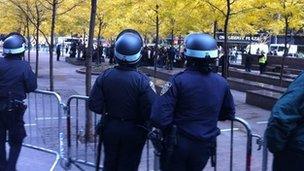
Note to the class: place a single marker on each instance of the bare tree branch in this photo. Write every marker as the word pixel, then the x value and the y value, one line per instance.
pixel 215 7
pixel 71 8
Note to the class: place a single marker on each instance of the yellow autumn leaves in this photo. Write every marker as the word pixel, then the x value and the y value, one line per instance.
pixel 176 16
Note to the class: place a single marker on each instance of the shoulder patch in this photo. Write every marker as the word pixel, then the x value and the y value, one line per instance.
pixel 165 88
pixel 152 86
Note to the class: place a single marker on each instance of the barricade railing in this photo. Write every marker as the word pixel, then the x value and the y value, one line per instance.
pixel 84 152
pixel 43 119
pixel 249 140
pixel 77 119
pixel 265 155
pixel 80 151
pixel 46 132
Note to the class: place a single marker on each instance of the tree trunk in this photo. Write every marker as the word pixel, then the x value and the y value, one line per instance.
pixel 179 44
pixel 157 39
pixel 226 50
pixel 285 50
pixel 172 36
pixel 84 35
pixel 214 29
pixel 88 131
pixel 37 49
pixel 98 42
pixel 28 40
pixel 51 45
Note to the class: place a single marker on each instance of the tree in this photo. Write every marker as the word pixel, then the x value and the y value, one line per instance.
pixel 53 6
pixel 89 66
pixel 229 9
pixel 34 16
pixel 12 19
pixel 287 15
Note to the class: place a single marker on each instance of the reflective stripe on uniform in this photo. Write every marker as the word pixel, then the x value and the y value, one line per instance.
pixel 263 59
pixel 202 53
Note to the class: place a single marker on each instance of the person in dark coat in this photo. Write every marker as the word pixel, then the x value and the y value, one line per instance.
pixel 111 55
pixel 58 52
pixel 124 97
pixel 248 62
pixel 285 130
pixel 16 79
pixel 193 101
pixel 171 57
pixel 73 50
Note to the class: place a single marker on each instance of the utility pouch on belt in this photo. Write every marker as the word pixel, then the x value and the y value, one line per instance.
pixel 16 105
pixel 157 139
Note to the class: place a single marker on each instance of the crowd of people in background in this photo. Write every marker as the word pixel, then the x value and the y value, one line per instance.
pixel 167 56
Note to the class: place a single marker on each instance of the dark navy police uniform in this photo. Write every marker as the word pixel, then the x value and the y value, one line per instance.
pixel 16 79
pixel 126 96
pixel 194 102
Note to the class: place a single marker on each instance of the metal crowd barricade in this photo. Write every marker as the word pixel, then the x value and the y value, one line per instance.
pixel 43 119
pixel 250 137
pixel 81 152
pixel 265 155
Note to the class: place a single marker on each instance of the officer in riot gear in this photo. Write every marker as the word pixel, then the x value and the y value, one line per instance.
pixel 16 79
pixel 192 102
pixel 124 97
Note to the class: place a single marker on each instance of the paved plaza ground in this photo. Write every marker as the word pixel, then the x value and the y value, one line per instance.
pixel 67 80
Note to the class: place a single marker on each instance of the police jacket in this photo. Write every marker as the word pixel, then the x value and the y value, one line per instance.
pixel 123 93
pixel 16 78
pixel 285 129
pixel 194 102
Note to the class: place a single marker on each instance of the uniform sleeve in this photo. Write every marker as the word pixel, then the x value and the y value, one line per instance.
pixel 30 80
pixel 96 99
pixel 147 99
pixel 286 114
pixel 163 108
pixel 228 107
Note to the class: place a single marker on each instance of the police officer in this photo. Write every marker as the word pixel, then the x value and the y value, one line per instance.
pixel 285 130
pixel 16 79
pixel 262 62
pixel 124 96
pixel 193 101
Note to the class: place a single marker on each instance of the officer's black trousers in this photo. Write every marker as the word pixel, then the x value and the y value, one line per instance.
pixel 288 161
pixel 188 155
pixel 262 68
pixel 123 145
pixel 11 124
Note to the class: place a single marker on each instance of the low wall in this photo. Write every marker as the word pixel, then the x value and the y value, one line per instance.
pixel 295 63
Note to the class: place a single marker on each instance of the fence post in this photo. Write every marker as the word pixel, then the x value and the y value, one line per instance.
pixel 265 155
